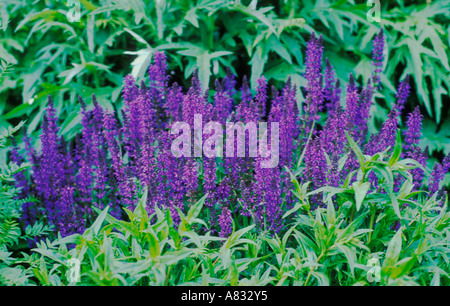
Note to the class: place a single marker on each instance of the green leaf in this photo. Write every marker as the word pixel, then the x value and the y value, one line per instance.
pixel 195 209
pixel 279 48
pixel 192 17
pixel 436 279
pixel 99 221
pixel 350 255
pixel 90 32
pixel 70 124
pixel 141 62
pixel 292 210
pixel 69 74
pixel 397 149
pixel 394 202
pixel 415 61
pixel 154 247
pixel 393 250
pixel 138 37
pixel 403 267
pixel 234 238
pixel 219 54
pixel 52 255
pixel 360 190
pixel 258 62
pixel 258 14
pixel 19 111
pixel 357 150
pixel 321 278
pixel 436 139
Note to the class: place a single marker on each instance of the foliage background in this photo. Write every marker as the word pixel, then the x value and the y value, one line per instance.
pixel 42 53
pixel 47 54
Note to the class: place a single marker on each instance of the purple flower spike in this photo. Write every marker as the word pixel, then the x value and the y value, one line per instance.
pixel 328 90
pixel 402 94
pixel 222 103
pixel 417 173
pixel 437 175
pixel 386 136
pixel 314 58
pixel 130 90
pixel 351 110
pixel 315 95
pixel 69 221
pixel 174 103
pixel 412 134
pixel 446 163
pixel 377 57
pixel 158 76
pixel 261 97
pixel 246 95
pixel 315 167
pixel 125 186
pixel 229 83
pixel 225 223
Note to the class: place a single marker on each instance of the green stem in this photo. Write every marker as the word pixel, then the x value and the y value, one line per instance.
pixel 353 214
pixel 372 220
pixel 166 283
pixel 312 269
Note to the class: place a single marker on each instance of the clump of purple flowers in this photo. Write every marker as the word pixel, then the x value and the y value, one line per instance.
pixel 118 154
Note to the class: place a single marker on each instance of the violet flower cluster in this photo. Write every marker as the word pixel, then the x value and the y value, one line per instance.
pixel 119 155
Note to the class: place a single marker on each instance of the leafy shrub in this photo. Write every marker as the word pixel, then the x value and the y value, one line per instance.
pixel 323 247
pixel 11 235
pixel 90 54
pixel 110 163
pixel 256 37
pixel 345 205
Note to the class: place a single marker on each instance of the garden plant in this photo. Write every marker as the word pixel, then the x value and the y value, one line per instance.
pixel 109 178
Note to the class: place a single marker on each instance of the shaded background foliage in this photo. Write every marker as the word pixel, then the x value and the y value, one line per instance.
pixel 43 53
pixel 47 54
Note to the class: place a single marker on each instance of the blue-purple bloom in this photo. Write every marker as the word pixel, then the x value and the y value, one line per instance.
pixel 377 57
pixel 225 222
pixel 111 161
pixel 315 95
pixel 413 132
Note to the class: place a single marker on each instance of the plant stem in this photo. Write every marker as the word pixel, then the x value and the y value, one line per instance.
pixel 353 214
pixel 166 282
pixel 372 220
pixel 312 268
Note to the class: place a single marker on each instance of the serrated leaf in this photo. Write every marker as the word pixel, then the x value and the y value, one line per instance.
pixel 192 17
pixel 258 14
pixel 436 139
pixel 279 48
pixel 138 37
pixel 141 63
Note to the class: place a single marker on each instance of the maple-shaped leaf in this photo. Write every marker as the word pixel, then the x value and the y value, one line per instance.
pixel 436 139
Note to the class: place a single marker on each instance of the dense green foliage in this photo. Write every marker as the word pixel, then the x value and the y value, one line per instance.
pixel 48 54
pixel 353 245
pixel 360 238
